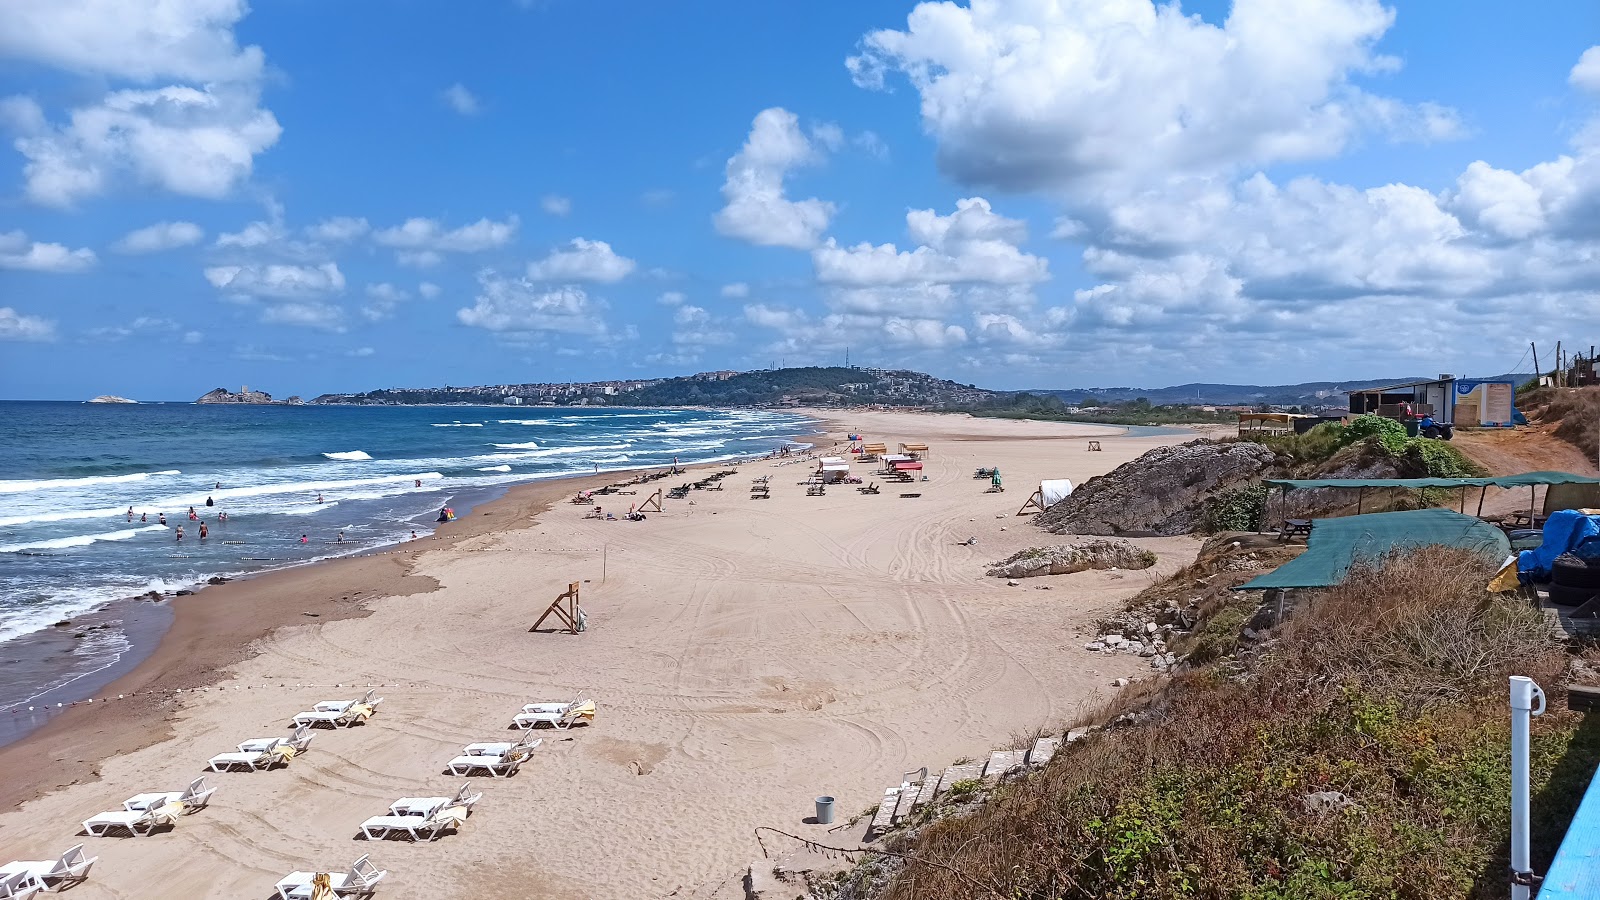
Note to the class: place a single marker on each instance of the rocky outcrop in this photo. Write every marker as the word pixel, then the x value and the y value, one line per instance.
pixel 1068 558
pixel 111 398
pixel 223 395
pixel 1162 492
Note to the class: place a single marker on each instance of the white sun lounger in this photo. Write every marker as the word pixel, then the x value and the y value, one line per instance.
pixel 32 876
pixel 340 713
pixel 361 881
pixel 557 715
pixel 421 817
pixel 254 754
pixel 193 797
pixel 499 760
pixel 19 885
pixel 138 823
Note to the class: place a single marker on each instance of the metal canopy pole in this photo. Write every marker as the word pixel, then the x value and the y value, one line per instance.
pixel 1481 495
pixel 1361 495
pixel 1523 695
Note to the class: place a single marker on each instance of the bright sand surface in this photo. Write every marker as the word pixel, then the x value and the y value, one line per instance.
pixel 745 655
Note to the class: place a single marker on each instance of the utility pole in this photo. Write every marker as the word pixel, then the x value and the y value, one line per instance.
pixel 1538 373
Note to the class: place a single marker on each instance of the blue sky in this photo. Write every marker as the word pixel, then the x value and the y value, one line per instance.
pixel 308 197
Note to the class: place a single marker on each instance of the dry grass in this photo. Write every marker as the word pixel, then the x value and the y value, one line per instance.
pixel 1574 411
pixel 1388 690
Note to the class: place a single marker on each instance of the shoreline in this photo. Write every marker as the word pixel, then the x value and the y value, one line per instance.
pixel 189 640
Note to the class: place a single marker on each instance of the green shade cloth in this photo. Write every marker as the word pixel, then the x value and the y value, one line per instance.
pixel 1336 544
pixel 1507 481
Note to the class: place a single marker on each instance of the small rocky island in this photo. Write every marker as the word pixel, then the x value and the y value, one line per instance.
pixel 111 398
pixel 245 395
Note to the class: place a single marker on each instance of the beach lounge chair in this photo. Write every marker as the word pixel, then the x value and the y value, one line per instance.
pixel 361 881
pixel 195 796
pixel 499 760
pixel 254 754
pixel 340 713
pixel 19 884
pixel 34 875
pixel 558 715
pixel 138 823
pixel 423 817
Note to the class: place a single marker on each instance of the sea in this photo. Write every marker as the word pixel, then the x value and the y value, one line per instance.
pixel 83 488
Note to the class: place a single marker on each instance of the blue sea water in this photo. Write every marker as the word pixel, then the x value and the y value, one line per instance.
pixel 69 472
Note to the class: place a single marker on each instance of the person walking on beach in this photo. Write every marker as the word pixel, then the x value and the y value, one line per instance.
pixel 202 531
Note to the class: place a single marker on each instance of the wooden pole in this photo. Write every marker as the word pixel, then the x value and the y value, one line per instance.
pixel 1558 365
pixel 1537 372
pixel 1361 496
pixel 1482 495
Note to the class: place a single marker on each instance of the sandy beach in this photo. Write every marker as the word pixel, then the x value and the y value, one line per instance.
pixel 745 656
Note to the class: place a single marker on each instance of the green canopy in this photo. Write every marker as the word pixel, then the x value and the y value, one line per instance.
pixel 1506 481
pixel 1336 544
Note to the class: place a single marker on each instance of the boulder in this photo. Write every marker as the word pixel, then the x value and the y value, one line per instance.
pixel 1162 492
pixel 1064 559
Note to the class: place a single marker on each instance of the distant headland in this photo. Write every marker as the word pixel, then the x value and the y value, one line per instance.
pixel 245 395
pixel 111 398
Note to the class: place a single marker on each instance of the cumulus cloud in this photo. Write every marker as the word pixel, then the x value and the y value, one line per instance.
pixel 520 306
pixel 339 229
pixel 756 209
pixel 1065 94
pixel 277 281
pixel 15 326
pixel 695 327
pixel 255 234
pixel 423 242
pixel 361 352
pixel 1586 74
pixel 972 244
pixel 458 98
pixel 189 123
pixel 160 236
pixel 427 290
pixel 736 290
pixel 582 260
pixel 17 252
pixel 556 205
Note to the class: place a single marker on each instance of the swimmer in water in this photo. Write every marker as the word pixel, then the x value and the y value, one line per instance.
pixel 419 482
pixel 303 539
pixel 130 514
pixel 180 534
pixel 319 497
pixel 413 535
pixel 209 502
pixel 162 518
pixel 202 531
pixel 143 517
pixel 341 537
pixel 222 516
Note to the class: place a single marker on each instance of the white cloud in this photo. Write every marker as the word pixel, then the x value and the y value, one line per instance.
pixel 586 260
pixel 147 325
pixel 427 290
pixel 278 281
pixel 1586 74
pixel 255 234
pixel 971 245
pixel 382 299
pixel 736 290
pixel 15 326
pixel 423 242
pixel 360 352
pixel 160 236
pixel 672 298
pixel 191 40
pixel 339 229
pixel 303 314
pixel 458 98
pixel 520 306
pixel 17 252
pixel 200 142
pixel 695 327
pixel 1065 94
pixel 193 337
pixel 756 210
pixel 556 205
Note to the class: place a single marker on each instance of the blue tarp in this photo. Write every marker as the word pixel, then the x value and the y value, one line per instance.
pixel 1337 544
pixel 1575 872
pixel 1565 531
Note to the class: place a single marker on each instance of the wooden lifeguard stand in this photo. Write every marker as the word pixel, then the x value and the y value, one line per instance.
pixel 567 612
pixel 652 503
pixel 1035 502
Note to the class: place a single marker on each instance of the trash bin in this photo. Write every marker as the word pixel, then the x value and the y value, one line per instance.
pixel 824 810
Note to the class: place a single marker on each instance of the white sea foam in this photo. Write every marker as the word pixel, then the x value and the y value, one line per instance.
pixel 81 540
pixel 495 469
pixel 458 424
pixel 46 484
pixel 551 422
pixel 527 445
pixel 349 455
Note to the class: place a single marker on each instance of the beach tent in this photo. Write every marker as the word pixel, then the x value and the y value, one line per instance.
pixel 833 468
pixel 903 466
pixel 1337 544
pixel 913 448
pixel 1050 492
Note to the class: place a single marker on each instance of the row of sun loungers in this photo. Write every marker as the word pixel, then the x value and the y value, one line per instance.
pixel 416 818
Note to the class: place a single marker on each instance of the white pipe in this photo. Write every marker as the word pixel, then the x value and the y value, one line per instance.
pixel 1523 694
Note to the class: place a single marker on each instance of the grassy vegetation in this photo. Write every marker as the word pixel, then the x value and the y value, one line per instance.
pixel 1421 457
pixel 1361 754
pixel 1575 412
pixel 1135 412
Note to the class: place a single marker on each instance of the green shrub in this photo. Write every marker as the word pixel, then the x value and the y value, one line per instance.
pixel 1439 459
pixel 1390 433
pixel 1236 509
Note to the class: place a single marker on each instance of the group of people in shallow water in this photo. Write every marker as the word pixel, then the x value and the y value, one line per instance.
pixel 445 515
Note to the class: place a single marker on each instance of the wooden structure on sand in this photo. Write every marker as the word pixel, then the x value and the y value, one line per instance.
pixel 652 503
pixel 568 613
